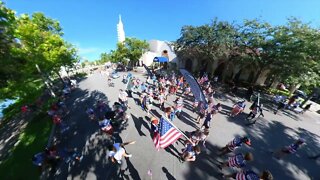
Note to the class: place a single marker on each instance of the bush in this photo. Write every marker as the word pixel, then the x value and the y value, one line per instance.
pixel 278 92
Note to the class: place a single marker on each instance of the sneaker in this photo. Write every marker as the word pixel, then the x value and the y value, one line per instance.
pixel 129 155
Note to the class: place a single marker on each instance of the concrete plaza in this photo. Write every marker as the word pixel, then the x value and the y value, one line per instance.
pixel 268 134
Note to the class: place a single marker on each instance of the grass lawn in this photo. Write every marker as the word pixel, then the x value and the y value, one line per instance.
pixel 32 140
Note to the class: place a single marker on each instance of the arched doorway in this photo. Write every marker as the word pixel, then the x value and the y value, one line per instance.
pixel 237 76
pixel 165 54
pixel 251 77
pixel 188 65
pixel 219 70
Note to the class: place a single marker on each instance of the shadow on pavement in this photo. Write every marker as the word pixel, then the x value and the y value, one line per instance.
pixel 168 174
pixel 138 122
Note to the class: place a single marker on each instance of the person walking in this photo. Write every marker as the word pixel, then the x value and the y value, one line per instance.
pixel 306 108
pixel 291 149
pixel 238 108
pixel 189 152
pixel 237 161
pixel 207 120
pixel 178 106
pixel 234 144
pixel 201 112
pixel 123 98
pixel 249 175
pixel 116 154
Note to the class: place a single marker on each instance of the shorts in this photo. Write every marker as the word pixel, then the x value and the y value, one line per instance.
pixel 122 164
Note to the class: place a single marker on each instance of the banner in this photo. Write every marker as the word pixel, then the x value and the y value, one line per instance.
pixel 129 84
pixel 195 87
pixel 148 70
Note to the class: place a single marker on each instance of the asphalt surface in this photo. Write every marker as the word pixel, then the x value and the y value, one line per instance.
pixel 268 134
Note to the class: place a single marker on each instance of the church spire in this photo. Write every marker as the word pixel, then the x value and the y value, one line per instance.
pixel 120 30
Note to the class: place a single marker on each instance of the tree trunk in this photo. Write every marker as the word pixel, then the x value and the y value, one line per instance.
pixel 293 88
pixel 275 83
pixel 224 73
pixel 61 79
pixel 257 76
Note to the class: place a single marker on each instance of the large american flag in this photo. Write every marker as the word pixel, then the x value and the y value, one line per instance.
pixel 166 135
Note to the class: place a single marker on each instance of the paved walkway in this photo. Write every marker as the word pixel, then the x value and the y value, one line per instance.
pixel 270 133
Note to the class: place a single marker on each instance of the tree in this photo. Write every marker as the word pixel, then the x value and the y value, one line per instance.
pixel 298 54
pixel 104 57
pixel 27 41
pixel 255 42
pixel 9 64
pixel 130 50
pixel 134 49
pixel 209 42
pixel 120 54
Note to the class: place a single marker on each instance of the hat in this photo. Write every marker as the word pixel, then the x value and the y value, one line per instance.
pixel 154 120
pixel 247 141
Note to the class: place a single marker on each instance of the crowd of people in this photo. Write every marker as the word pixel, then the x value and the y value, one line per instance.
pixel 154 91
pixel 53 154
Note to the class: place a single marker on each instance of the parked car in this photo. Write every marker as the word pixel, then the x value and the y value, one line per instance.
pixel 301 94
pixel 114 75
pixel 120 68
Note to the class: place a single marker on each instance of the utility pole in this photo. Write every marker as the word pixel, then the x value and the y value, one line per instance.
pixel 45 81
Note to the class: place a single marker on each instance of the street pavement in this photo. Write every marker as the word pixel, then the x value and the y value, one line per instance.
pixel 268 134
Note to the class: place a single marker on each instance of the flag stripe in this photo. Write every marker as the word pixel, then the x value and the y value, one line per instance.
pixel 164 145
pixel 167 134
pixel 171 138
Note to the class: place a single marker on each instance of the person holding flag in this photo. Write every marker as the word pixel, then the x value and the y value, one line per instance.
pixel 167 134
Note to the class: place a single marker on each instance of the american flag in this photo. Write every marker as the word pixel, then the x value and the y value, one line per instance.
pixel 105 125
pixel 237 161
pixel 166 135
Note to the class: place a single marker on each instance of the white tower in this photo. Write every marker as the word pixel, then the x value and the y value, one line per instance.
pixel 120 30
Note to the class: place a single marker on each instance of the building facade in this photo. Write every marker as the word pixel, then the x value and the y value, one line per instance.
pixel 159 48
pixel 226 70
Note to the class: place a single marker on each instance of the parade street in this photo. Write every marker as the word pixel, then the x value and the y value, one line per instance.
pixel 269 134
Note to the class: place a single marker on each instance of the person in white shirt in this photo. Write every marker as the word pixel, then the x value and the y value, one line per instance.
pixel 123 97
pixel 116 152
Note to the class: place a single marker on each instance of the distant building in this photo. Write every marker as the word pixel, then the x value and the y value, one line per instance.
pixel 158 48
pixel 120 30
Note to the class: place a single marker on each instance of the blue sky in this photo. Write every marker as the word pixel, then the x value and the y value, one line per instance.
pixel 91 24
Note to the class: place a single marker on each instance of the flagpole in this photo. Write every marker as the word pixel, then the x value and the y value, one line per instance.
pixel 165 118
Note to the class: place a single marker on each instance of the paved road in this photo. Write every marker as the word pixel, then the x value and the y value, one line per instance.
pixel 270 133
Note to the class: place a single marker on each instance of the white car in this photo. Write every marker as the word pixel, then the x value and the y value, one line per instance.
pixel 114 75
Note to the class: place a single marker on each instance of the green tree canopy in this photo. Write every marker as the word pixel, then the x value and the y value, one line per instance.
pixel 290 52
pixel 130 50
pixel 27 41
